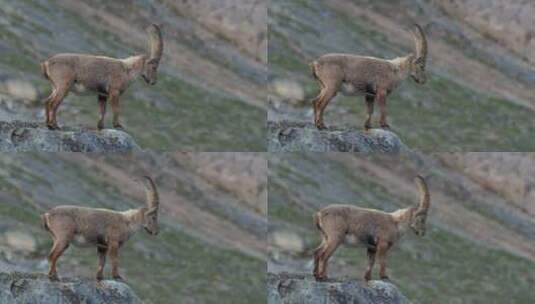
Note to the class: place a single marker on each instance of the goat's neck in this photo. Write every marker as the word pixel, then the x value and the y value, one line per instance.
pixel 135 219
pixel 134 65
pixel 402 66
pixel 403 218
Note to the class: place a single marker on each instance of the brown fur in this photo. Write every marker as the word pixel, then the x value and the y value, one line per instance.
pixel 107 230
pixel 105 76
pixel 375 229
pixel 372 77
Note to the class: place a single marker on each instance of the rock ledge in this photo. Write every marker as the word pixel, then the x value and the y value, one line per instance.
pixel 17 287
pixel 286 136
pixel 300 289
pixel 32 136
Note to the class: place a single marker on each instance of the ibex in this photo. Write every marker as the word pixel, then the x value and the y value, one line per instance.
pixel 372 77
pixel 105 76
pixel 106 229
pixel 375 229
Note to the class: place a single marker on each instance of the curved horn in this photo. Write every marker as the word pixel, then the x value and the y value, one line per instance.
pixel 425 198
pixel 420 43
pixel 155 42
pixel 151 192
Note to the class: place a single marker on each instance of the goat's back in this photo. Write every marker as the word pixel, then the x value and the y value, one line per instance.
pixel 90 224
pixel 361 223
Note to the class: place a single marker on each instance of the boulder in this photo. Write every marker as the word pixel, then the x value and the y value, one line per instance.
pixel 17 287
pixel 30 136
pixel 291 137
pixel 300 289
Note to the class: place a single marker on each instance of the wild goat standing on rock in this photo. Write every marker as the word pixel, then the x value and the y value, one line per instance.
pixel 106 229
pixel 372 77
pixel 105 76
pixel 375 229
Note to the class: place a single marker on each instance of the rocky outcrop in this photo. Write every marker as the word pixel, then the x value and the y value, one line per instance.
pixel 300 289
pixel 30 136
pixel 290 137
pixel 27 288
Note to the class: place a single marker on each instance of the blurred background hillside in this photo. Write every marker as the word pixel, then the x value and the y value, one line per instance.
pixel 481 67
pixel 479 246
pixel 211 91
pixel 211 246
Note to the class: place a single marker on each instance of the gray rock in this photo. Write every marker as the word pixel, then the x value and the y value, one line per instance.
pixel 297 289
pixel 30 136
pixel 17 287
pixel 290 137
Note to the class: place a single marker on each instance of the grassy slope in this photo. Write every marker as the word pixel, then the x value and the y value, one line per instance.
pixel 441 115
pixel 441 266
pixel 178 114
pixel 172 267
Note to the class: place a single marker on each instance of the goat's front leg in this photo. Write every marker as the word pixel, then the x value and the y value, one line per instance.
pixel 371 261
pixel 101 251
pixel 102 111
pixel 381 100
pixel 382 248
pixel 113 249
pixel 114 99
pixel 369 111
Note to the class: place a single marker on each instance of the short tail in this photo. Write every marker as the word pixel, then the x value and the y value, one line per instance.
pixel 314 67
pixel 317 220
pixel 44 220
pixel 317 223
pixel 44 69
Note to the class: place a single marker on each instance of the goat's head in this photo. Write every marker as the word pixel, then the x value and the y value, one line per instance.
pixel 151 215
pixel 419 217
pixel 417 62
pixel 152 61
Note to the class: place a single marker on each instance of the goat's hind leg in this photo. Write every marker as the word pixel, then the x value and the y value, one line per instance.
pixel 61 93
pixel 57 250
pixel 330 247
pixel 48 106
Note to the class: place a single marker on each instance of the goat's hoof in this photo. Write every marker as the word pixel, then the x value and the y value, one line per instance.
pixel 53 277
pixel 53 127
pixel 385 278
pixel 119 278
pixel 367 277
pixel 385 126
pixel 367 127
pixel 100 126
pixel 321 278
pixel 118 127
pixel 321 127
